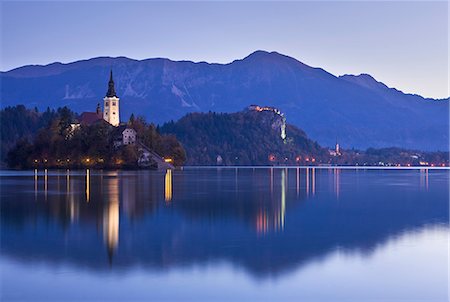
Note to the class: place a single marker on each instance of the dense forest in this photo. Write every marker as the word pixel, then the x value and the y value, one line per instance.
pixel 20 123
pixel 242 138
pixel 48 140
pixel 30 138
pixel 253 138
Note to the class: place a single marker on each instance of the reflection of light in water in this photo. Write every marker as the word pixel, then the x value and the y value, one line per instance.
pixel 298 181
pixel 262 222
pixel 168 186
pixel 35 183
pixel 73 206
pixel 45 183
pixel 111 216
pixel 73 210
pixel 283 197
pixel 111 225
pixel 68 181
pixel 337 182
pixel 307 181
pixel 274 218
pixel 87 185
pixel 424 178
pixel 313 181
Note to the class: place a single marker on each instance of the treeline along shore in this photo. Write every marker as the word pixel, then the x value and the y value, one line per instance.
pixel 33 139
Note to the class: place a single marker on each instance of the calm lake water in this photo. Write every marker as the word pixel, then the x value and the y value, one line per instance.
pixel 225 234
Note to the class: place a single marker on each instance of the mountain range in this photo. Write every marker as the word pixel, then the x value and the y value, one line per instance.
pixel 355 110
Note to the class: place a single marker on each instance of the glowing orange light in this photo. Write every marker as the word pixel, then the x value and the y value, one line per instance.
pixel 272 157
pixel 432 165
pixel 307 159
pixel 35 160
pixel 168 160
pixel 313 159
pixel 298 158
pixel 168 186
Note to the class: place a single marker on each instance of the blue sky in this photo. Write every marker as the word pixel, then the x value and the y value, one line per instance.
pixel 403 44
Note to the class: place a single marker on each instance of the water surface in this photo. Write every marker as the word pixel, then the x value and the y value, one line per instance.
pixel 231 234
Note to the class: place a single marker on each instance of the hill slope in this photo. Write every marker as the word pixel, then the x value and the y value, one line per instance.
pixel 242 138
pixel 357 110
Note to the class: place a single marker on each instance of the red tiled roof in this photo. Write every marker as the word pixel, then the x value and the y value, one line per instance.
pixel 89 118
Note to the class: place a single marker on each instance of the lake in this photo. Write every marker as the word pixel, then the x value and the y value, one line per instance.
pixel 225 234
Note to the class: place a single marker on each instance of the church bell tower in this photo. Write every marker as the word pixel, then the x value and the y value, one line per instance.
pixel 111 104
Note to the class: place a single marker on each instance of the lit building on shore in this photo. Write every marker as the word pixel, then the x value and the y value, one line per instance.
pixel 336 151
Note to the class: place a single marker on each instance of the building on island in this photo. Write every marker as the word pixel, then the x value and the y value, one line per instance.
pixel 90 118
pixel 111 104
pixel 110 112
pixel 124 135
pixel 129 136
pixel 149 158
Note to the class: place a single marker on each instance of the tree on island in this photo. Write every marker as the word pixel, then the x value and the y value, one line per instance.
pixel 59 145
pixel 30 138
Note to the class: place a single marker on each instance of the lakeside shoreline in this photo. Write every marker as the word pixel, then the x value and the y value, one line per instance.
pixel 237 167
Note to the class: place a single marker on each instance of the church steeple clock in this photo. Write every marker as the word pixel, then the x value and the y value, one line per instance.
pixel 111 104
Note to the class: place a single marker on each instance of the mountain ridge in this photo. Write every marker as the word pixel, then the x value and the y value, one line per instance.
pixel 361 111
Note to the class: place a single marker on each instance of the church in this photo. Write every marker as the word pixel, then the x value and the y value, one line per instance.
pixel 111 104
pixel 122 134
pixel 111 112
pixel 110 115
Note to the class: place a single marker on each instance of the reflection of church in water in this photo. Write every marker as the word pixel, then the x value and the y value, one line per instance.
pixel 156 224
pixel 111 217
pixel 110 200
pixel 88 198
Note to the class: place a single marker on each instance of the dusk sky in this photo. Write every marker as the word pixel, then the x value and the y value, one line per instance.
pixel 403 44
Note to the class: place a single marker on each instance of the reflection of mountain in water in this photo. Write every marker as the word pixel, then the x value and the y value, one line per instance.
pixel 266 220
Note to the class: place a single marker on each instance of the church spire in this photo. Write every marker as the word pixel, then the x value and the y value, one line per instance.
pixel 111 90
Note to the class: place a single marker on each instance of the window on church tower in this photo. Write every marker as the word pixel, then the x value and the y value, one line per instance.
pixel 114 104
